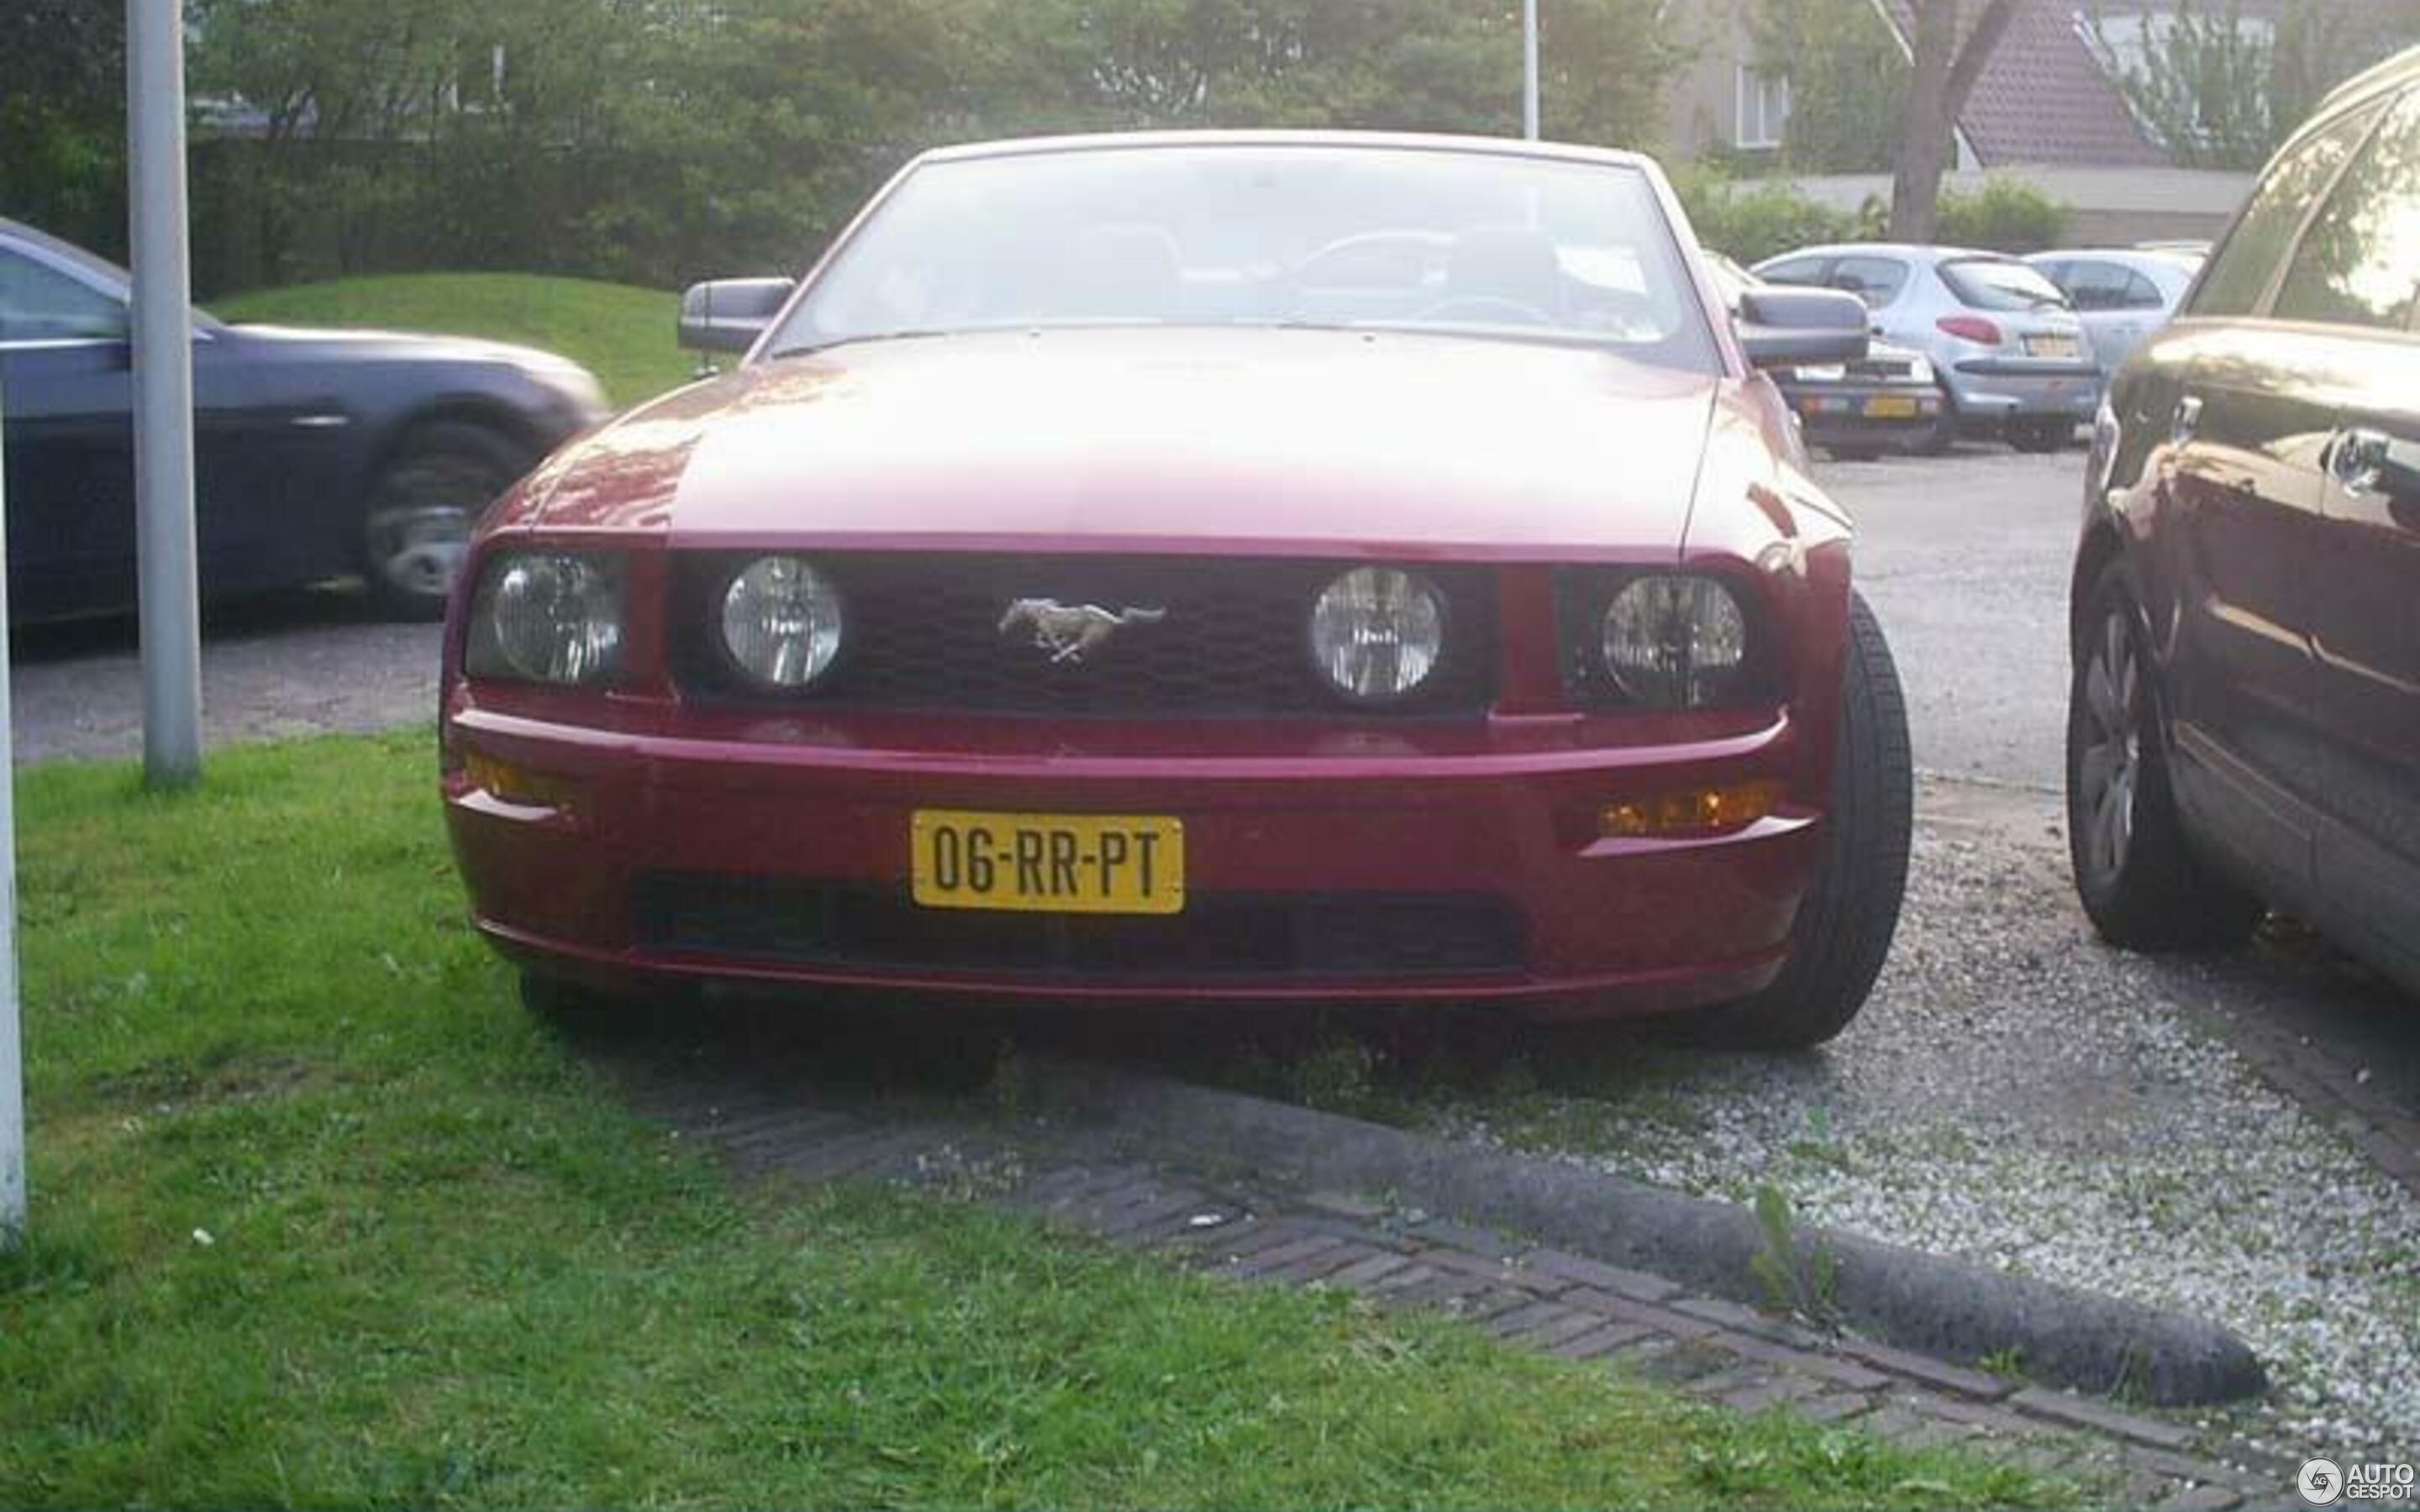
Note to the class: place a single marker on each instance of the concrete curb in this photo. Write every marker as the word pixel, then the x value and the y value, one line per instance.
pixel 1949 1309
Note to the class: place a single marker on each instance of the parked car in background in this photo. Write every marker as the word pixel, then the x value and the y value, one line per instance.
pixel 1887 400
pixel 2122 296
pixel 2010 354
pixel 2245 722
pixel 1108 574
pixel 318 453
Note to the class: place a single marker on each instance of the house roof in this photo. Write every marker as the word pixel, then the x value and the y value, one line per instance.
pixel 2045 96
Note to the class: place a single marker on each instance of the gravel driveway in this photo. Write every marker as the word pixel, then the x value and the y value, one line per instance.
pixel 2021 1095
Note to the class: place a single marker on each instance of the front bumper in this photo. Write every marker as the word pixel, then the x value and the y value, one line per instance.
pixel 1465 868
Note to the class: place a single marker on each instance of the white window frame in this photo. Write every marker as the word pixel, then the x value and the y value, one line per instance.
pixel 1752 118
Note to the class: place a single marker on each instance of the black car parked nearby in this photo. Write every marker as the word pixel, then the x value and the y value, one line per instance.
pixel 318 454
pixel 2245 722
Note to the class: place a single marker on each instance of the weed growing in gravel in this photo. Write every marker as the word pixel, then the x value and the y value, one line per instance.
pixel 1801 1288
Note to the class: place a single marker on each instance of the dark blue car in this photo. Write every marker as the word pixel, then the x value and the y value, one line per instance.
pixel 320 454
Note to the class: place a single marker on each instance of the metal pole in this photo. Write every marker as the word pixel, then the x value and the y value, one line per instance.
pixel 1530 68
pixel 12 1059
pixel 163 395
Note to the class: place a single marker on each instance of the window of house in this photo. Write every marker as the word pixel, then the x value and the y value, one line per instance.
pixel 2359 263
pixel 2245 261
pixel 1763 108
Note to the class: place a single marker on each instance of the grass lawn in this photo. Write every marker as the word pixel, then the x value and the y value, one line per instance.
pixel 622 335
pixel 321 1217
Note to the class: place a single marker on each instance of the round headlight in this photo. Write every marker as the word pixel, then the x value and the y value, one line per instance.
pixel 1376 633
pixel 1674 642
pixel 555 618
pixel 781 621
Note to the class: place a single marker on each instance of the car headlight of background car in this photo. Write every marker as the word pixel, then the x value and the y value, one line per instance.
pixel 1376 633
pixel 781 621
pixel 547 617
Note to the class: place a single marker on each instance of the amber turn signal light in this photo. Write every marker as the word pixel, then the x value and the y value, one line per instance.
pixel 514 784
pixel 1690 812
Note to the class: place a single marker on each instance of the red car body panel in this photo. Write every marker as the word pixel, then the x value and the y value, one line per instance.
pixel 1214 443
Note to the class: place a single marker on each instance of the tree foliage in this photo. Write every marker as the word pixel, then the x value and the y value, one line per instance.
pixel 1848 81
pixel 2220 89
pixel 659 139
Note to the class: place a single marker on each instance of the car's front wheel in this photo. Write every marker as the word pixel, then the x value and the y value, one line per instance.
pixel 1850 911
pixel 417 528
pixel 2136 872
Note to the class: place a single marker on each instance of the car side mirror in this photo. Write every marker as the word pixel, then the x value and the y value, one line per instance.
pixel 727 315
pixel 1787 327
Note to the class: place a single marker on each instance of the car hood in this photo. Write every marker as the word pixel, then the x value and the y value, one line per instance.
pixel 1280 437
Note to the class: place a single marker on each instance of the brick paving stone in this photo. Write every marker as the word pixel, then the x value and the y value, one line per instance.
pixel 1663 1321
pixel 1833 1407
pixel 1528 1314
pixel 1894 1422
pixel 2084 1411
pixel 1980 1415
pixel 1449 1235
pixel 1178 1226
pixel 2047 1456
pixel 2192 1468
pixel 2201 1498
pixel 1939 1374
pixel 1481 1266
pixel 1345 1204
pixel 1680 1365
pixel 1601 1339
pixel 1073 1182
pixel 1486 1303
pixel 1094 1208
pixel 1277 1257
pixel 1571 1324
pixel 1245 1244
pixel 1320 1266
pixel 1847 1373
pixel 1440 1288
pixel 1375 1267
pixel 1754 1399
pixel 1581 1271
pixel 1721 1314
pixel 1414 1273
pixel 1144 1216
pixel 831 1160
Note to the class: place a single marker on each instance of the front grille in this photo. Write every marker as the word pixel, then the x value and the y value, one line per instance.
pixel 924 635
pixel 1218 936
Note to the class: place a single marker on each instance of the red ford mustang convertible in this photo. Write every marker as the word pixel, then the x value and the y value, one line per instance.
pixel 1222 568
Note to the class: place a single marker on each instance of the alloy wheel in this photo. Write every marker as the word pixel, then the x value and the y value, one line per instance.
pixel 2110 768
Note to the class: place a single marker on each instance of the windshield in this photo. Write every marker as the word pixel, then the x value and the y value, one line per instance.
pixel 1475 242
pixel 1998 284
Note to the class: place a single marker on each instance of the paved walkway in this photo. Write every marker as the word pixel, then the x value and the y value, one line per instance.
pixel 1550 1301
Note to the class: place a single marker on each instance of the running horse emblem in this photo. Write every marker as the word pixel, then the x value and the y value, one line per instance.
pixel 1068 631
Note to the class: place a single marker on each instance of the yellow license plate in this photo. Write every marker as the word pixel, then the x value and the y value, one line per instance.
pixel 1041 863
pixel 1890 409
pixel 2050 346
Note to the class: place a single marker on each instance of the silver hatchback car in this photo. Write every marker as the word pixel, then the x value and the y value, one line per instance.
pixel 2012 357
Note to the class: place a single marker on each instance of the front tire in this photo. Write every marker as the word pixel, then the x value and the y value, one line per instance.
pixel 2135 873
pixel 1845 924
pixel 416 530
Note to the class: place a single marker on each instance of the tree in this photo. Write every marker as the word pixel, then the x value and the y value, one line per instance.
pixel 63 117
pixel 1847 79
pixel 2221 91
pixel 1948 58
